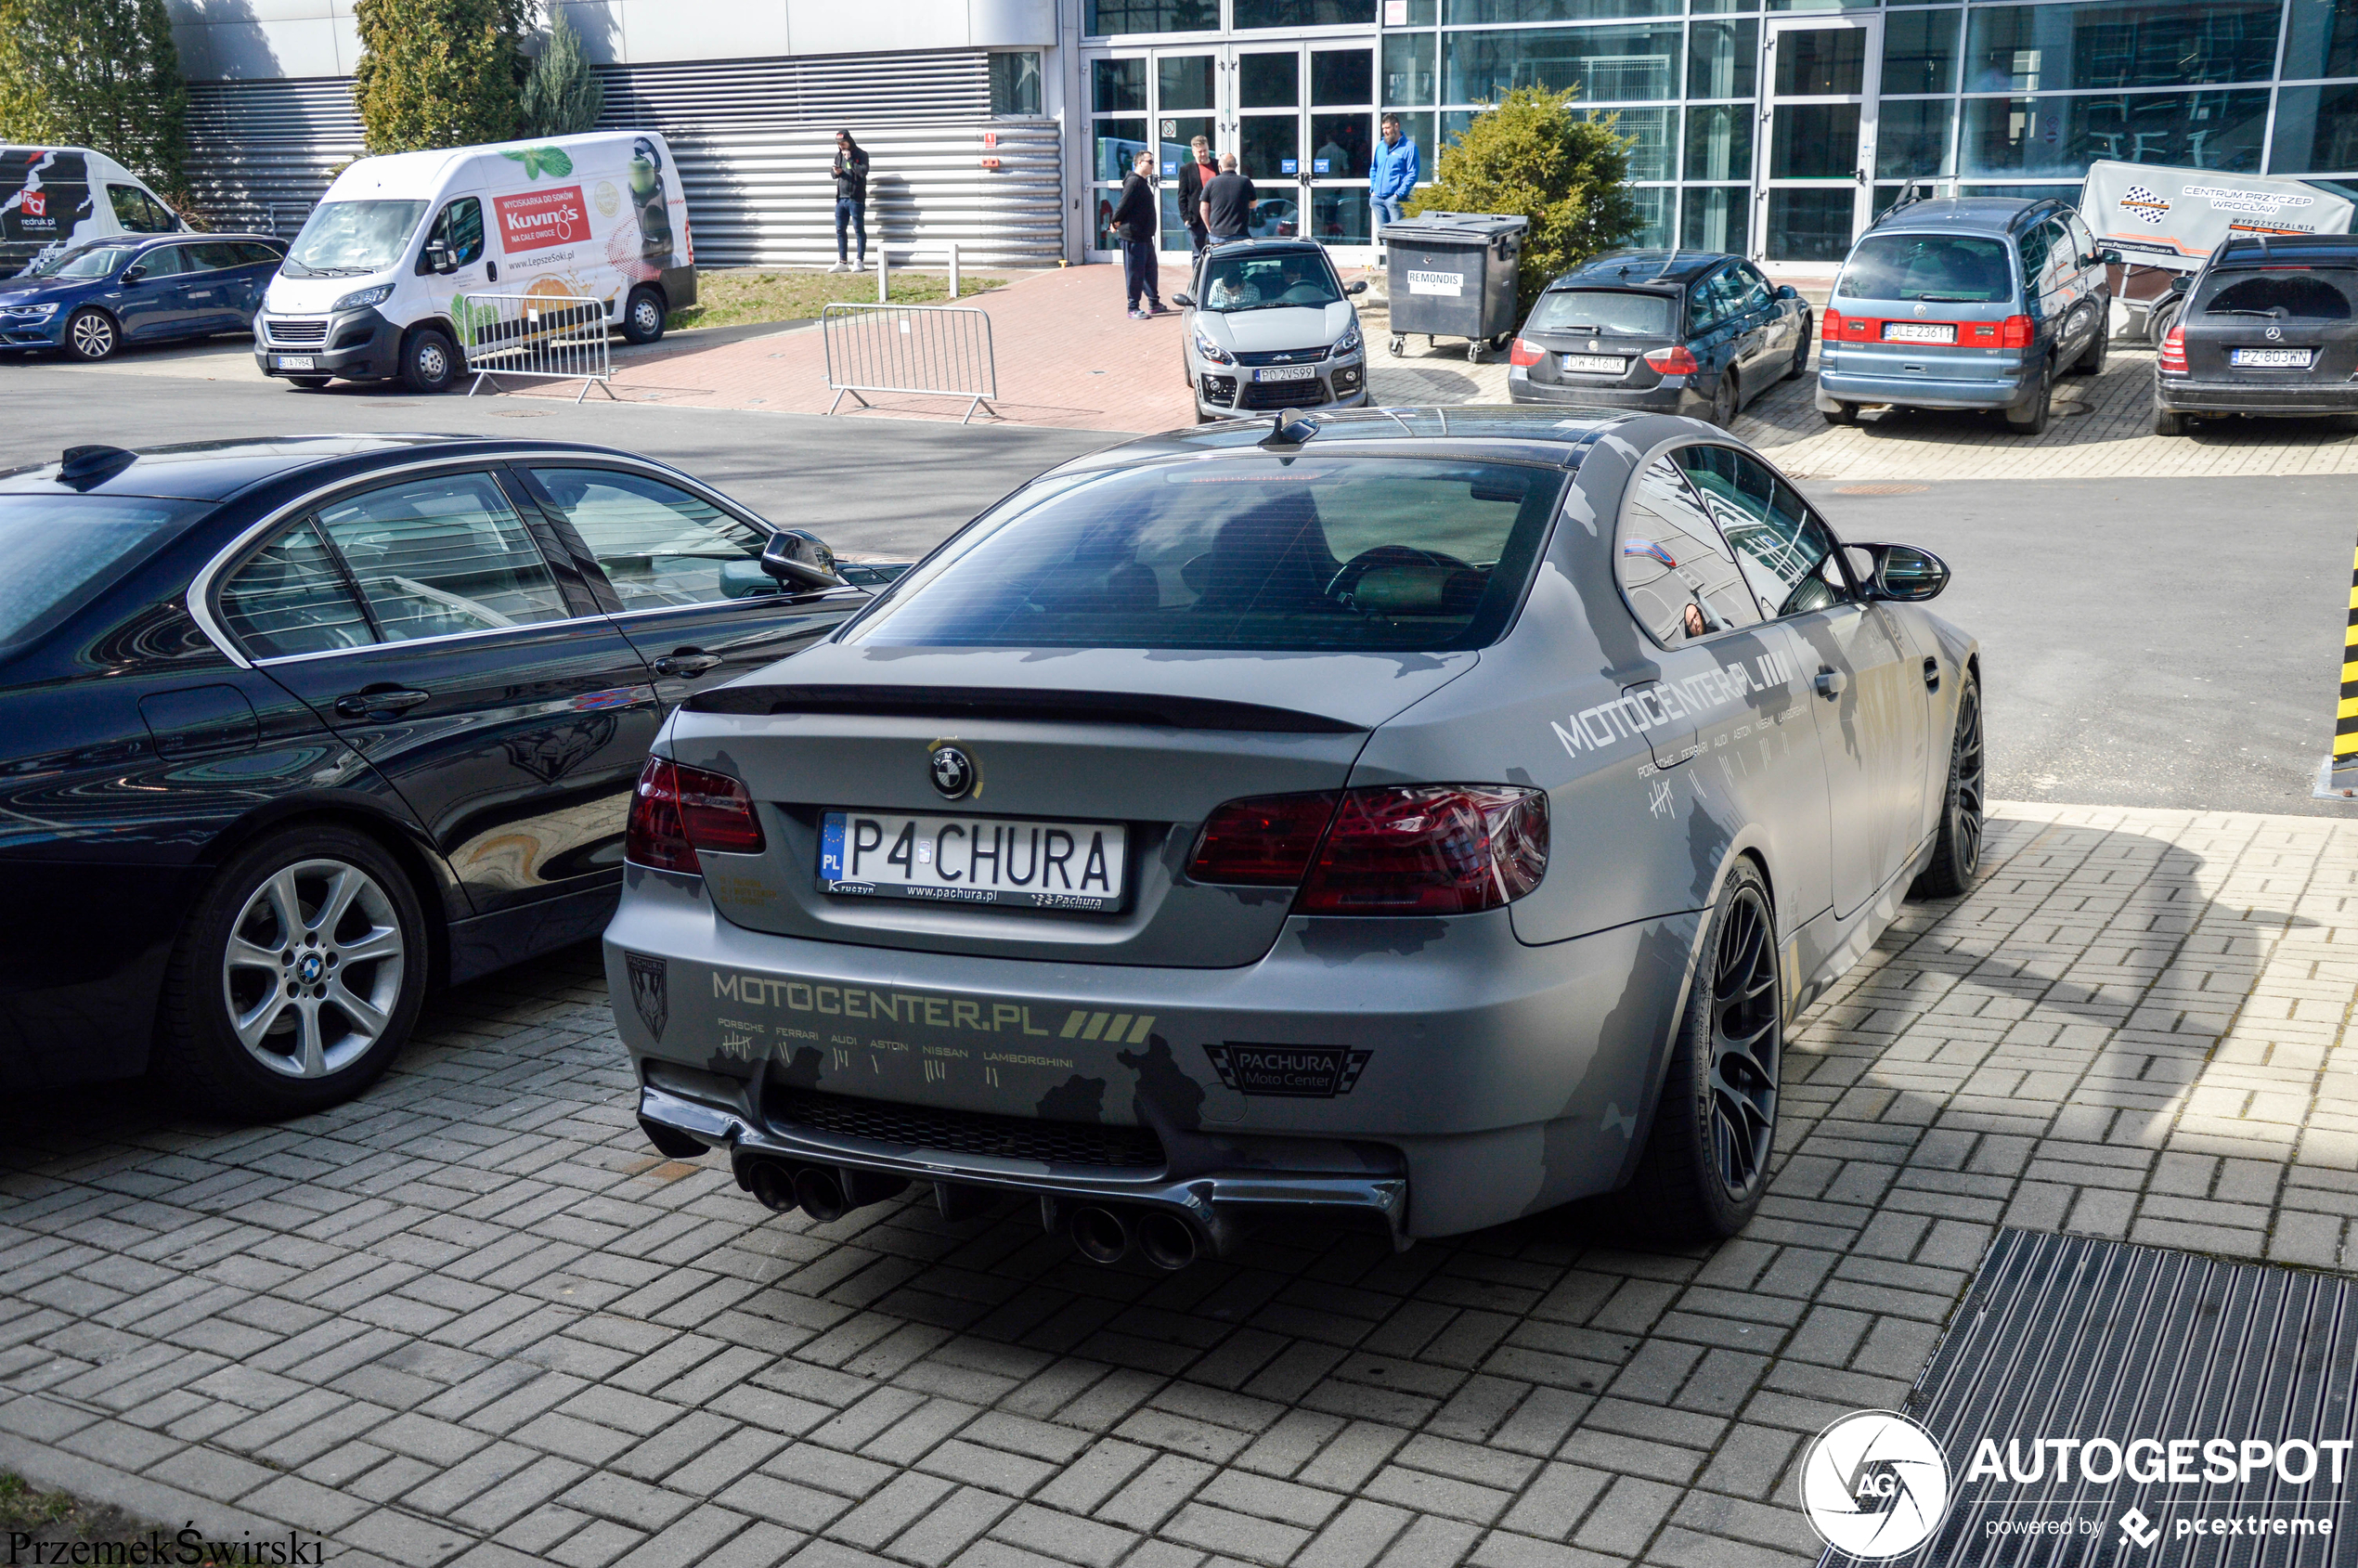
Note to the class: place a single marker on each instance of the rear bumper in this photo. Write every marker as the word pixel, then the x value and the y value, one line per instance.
pixel 1674 395
pixel 2186 396
pixel 1924 392
pixel 376 357
pixel 83 946
pixel 1473 1080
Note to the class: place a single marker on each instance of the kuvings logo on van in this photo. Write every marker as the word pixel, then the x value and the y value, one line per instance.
pixel 538 219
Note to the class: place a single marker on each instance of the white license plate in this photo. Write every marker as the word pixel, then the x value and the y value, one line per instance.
pixel 2279 359
pixel 1286 373
pixel 1596 364
pixel 1919 332
pixel 298 362
pixel 972 860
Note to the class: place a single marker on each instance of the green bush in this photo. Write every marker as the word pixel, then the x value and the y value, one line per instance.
pixel 562 96
pixel 1530 154
pixel 97 73
pixel 438 73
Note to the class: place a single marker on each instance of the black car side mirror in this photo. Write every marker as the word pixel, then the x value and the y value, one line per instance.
pixel 1904 574
pixel 2110 257
pixel 1358 288
pixel 1182 301
pixel 438 258
pixel 801 559
pixel 134 273
pixel 2180 283
pixel 1787 291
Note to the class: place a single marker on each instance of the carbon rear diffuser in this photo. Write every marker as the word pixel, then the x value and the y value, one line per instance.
pixel 2101 1404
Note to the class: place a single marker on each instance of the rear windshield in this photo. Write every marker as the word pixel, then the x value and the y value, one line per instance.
pixel 1943 268
pixel 56 552
pixel 2281 295
pixel 343 238
pixel 1268 282
pixel 1613 311
pixel 1344 555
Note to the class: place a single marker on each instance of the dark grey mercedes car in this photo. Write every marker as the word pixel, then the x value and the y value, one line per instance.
pixel 1420 818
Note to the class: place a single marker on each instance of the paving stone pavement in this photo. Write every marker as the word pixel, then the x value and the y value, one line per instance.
pixel 472 1319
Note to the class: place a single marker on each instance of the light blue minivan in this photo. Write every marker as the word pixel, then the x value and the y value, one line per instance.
pixel 1978 302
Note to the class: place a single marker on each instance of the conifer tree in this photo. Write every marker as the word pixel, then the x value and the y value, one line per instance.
pixel 438 73
pixel 562 96
pixel 97 73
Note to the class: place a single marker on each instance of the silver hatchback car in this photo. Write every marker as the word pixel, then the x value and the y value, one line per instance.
pixel 1270 325
pixel 1417 819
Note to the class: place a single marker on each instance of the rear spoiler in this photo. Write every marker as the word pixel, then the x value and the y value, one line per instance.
pixel 957 704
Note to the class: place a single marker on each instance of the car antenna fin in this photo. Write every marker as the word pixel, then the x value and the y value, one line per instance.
pixel 90 464
pixel 1288 431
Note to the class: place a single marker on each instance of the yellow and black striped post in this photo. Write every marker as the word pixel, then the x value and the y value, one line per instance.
pixel 2345 758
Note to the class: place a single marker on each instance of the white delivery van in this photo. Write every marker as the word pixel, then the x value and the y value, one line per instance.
pixel 55 198
pixel 406 253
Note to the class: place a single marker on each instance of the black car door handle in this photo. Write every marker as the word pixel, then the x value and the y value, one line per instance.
pixel 389 699
pixel 1932 674
pixel 686 662
pixel 1831 683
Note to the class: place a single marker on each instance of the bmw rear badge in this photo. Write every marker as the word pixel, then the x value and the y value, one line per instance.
pixel 954 771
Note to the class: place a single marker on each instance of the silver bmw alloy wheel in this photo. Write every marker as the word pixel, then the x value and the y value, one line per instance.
pixel 312 969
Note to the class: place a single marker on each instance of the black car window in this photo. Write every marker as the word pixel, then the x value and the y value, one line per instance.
pixel 658 544
pixel 2033 244
pixel 1752 293
pixel 1706 303
pixel 1678 576
pixel 291 598
pixel 1786 552
pixel 214 256
pixel 2082 242
pixel 442 555
pixel 57 550
pixel 1615 312
pixel 254 252
pixel 164 260
pixel 461 228
pixel 1299 553
pixel 1960 268
pixel 2310 296
pixel 138 213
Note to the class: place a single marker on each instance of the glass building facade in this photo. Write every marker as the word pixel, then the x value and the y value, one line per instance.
pixel 1777 128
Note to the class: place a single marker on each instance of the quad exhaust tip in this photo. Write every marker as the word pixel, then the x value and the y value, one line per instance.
pixel 1166 1240
pixel 1102 1236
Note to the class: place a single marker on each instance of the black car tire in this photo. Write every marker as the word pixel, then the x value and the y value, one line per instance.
pixel 2091 358
pixel 91 335
pixel 2159 323
pixel 1800 352
pixel 219 963
pixel 1705 1163
pixel 308 383
pixel 643 315
pixel 1956 855
pixel 2032 418
pixel 1726 398
pixel 429 361
pixel 2168 421
pixel 1842 413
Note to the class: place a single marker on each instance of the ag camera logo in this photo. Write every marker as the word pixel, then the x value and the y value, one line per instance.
pixel 1874 1484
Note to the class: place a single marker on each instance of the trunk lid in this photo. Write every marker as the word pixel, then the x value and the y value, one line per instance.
pixel 1149 740
pixel 2269 312
pixel 1606 333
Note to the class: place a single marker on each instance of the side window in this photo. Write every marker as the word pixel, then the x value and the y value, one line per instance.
pixel 2034 245
pixel 1677 573
pixel 442 555
pixel 461 228
pixel 164 260
pixel 1751 288
pixel 254 252
pixel 214 256
pixel 138 213
pixel 291 598
pixel 658 544
pixel 1785 551
pixel 2084 243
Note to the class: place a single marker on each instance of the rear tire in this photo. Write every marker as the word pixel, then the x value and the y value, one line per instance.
pixel 2091 358
pixel 1705 1162
pixel 1726 398
pixel 1800 352
pixel 429 361
pixel 2033 418
pixel 1956 856
pixel 2168 423
pixel 262 1016
pixel 1842 413
pixel 643 315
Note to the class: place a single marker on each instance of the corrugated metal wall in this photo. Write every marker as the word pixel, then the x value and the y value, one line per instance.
pixel 753 139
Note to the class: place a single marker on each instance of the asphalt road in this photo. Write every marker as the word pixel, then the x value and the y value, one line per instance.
pixel 2147 642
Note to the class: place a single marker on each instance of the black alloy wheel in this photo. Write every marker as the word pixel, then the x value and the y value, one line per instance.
pixel 1705 1163
pixel 91 335
pixel 1956 857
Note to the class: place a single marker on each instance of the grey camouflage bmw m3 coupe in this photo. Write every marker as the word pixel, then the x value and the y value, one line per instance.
pixel 1407 818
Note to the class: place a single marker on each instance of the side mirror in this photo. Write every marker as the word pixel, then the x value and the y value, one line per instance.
pixel 1904 574
pixel 1182 301
pixel 134 273
pixel 1358 288
pixel 439 258
pixel 1787 291
pixel 2110 257
pixel 2180 283
pixel 802 560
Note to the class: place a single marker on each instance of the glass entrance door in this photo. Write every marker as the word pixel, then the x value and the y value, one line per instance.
pixel 1820 149
pixel 1189 96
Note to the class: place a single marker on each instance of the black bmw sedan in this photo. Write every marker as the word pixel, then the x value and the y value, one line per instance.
pixel 292 730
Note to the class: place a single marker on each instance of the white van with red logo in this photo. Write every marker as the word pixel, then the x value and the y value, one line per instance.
pixel 410 258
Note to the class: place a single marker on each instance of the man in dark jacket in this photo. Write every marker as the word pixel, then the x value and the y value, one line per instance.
pixel 1194 175
pixel 850 174
pixel 1227 202
pixel 1134 221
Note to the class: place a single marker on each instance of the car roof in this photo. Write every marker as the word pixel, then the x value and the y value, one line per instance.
pixel 1987 214
pixel 1550 435
pixel 1639 267
pixel 1262 247
pixel 212 471
pixel 2306 249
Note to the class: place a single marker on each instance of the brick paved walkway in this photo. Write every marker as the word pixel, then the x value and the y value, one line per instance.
pixel 472 1319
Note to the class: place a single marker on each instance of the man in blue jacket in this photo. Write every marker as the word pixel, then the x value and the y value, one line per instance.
pixel 1391 175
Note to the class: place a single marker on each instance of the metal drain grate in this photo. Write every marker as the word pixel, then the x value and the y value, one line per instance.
pixel 2066 1338
pixel 964 1132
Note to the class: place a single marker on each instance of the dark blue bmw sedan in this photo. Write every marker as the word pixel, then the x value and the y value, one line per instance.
pixel 141 288
pixel 292 730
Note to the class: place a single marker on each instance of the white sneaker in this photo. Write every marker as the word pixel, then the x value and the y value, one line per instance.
pixel 839 268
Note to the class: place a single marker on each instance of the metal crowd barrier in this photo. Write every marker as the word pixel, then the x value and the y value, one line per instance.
pixel 921 350
pixel 551 337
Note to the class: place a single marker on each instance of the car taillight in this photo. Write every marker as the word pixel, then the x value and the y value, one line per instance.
pixel 1673 361
pixel 2015 333
pixel 1428 849
pixel 678 809
pixel 2173 352
pixel 1523 354
pixel 1833 323
pixel 1263 842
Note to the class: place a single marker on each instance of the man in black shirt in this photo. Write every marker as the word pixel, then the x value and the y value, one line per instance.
pixel 1135 220
pixel 1194 175
pixel 851 174
pixel 1227 202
